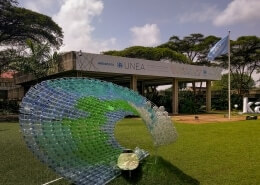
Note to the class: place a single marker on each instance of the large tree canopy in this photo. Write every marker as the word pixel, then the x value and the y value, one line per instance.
pixel 19 24
pixel 245 59
pixel 18 28
pixel 150 53
pixel 195 46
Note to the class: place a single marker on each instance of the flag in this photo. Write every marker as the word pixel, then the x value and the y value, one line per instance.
pixel 220 48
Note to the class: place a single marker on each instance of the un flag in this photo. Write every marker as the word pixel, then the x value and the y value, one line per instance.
pixel 220 48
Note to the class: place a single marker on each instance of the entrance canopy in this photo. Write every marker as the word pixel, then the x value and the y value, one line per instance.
pixel 121 69
pixel 133 66
pixel 130 72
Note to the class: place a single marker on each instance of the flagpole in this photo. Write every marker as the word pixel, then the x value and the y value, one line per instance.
pixel 229 96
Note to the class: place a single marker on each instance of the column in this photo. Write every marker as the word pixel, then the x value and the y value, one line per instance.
pixel 133 82
pixel 208 95
pixel 194 87
pixel 142 88
pixel 175 98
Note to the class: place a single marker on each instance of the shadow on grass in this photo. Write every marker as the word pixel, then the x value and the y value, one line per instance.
pixel 134 176
pixel 162 172
pixel 1 130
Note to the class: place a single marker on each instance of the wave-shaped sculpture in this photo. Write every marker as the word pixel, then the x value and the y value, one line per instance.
pixel 69 123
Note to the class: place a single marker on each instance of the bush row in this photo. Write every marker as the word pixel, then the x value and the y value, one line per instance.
pixel 191 104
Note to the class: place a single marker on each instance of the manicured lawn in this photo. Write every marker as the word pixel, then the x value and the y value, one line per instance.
pixel 17 164
pixel 222 153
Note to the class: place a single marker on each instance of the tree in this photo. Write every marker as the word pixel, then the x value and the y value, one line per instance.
pixel 195 47
pixel 220 100
pixel 191 45
pixel 150 53
pixel 245 59
pixel 17 25
pixel 244 85
pixel 38 60
pixel 7 56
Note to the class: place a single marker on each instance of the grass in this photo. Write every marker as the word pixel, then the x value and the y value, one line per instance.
pixel 207 154
pixel 221 153
pixel 18 166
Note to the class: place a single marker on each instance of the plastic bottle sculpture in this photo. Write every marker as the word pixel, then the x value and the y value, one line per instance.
pixel 69 123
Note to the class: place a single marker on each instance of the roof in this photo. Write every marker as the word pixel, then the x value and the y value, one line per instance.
pixel 8 74
pixel 134 66
pixel 120 69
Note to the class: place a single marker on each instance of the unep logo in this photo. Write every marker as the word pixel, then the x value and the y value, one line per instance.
pixel 119 65
pixel 130 65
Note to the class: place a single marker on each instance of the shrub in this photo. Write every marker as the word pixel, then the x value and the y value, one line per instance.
pixel 9 106
pixel 190 103
pixel 220 100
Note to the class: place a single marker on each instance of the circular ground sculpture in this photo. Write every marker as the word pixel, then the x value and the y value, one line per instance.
pixel 69 123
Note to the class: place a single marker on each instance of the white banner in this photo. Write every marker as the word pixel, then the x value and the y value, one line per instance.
pixel 122 65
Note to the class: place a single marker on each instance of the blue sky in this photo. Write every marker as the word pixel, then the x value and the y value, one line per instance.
pixel 99 25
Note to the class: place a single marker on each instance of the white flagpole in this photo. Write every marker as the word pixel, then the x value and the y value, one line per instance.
pixel 229 96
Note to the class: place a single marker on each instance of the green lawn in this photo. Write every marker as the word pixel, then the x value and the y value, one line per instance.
pixel 209 154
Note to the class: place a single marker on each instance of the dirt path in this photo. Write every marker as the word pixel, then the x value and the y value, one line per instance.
pixel 206 118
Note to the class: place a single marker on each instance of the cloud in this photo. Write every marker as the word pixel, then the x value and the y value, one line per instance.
pixel 206 13
pixel 76 18
pixel 42 6
pixel 239 11
pixel 147 35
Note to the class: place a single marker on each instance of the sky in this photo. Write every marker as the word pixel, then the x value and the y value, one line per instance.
pixel 100 25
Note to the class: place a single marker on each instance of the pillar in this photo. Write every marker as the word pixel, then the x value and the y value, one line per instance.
pixel 142 88
pixel 194 87
pixel 133 82
pixel 208 95
pixel 175 98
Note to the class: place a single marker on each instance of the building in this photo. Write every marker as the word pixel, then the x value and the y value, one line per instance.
pixel 136 74
pixel 8 89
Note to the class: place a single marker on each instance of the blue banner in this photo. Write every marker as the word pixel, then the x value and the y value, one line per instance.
pixel 220 48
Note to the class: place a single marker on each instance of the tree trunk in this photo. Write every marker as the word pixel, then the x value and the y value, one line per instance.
pixel 194 87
